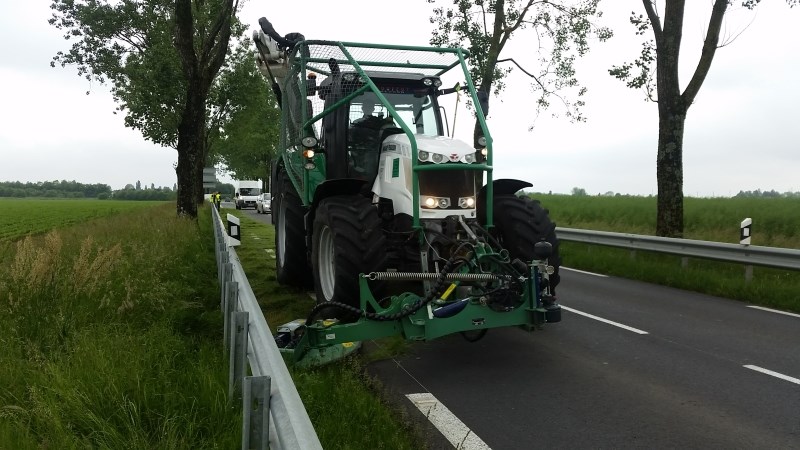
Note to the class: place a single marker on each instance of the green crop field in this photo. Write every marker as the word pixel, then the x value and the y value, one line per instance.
pixel 21 217
pixel 711 219
pixel 775 220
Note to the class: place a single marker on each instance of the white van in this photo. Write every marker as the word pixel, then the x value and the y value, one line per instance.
pixel 246 194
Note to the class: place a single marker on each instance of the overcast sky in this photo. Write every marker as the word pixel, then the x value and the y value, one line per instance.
pixel 741 134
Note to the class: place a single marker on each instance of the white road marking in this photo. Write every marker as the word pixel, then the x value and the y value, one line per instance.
pixel 774 374
pixel 774 311
pixel 584 272
pixel 616 324
pixel 447 423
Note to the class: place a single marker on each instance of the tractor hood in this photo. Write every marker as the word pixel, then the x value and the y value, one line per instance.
pixel 436 149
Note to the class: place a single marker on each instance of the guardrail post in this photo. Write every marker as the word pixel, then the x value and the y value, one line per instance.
pixel 238 358
pixel 222 255
pixel 255 413
pixel 748 273
pixel 230 299
pixel 226 275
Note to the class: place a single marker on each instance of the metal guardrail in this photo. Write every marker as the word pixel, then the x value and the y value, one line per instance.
pixel 273 414
pixel 752 255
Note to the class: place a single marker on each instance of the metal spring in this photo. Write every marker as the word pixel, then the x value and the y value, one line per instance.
pixel 413 276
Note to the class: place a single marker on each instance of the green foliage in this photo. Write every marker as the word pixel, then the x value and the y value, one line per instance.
pixel 578 192
pixel 160 59
pixel 248 117
pixel 162 194
pixel 52 189
pixel 112 337
pixel 561 30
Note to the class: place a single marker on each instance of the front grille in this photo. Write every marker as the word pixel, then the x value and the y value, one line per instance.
pixel 448 183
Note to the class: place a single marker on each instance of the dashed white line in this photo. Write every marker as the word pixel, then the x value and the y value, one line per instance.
pixel 616 324
pixel 774 311
pixel 773 373
pixel 447 423
pixel 584 272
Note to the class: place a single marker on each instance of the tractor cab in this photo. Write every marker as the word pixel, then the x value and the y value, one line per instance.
pixel 353 135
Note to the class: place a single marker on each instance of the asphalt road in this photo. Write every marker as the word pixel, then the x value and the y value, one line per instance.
pixel 584 383
pixel 631 365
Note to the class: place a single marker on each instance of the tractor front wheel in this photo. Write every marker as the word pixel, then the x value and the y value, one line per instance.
pixel 348 240
pixel 290 241
pixel 520 223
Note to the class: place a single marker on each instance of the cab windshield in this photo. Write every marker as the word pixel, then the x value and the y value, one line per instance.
pixel 416 108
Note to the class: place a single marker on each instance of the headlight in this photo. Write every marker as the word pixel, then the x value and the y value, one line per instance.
pixel 482 141
pixel 309 141
pixel 469 158
pixel 435 202
pixel 484 152
pixel 466 202
pixel 437 158
pixel 422 155
pixel 427 82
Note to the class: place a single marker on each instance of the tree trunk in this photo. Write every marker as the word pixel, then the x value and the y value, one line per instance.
pixel 672 105
pixel 671 118
pixel 669 172
pixel 191 131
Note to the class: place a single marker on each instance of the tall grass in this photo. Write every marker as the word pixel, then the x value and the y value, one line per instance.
pixel 111 337
pixel 714 219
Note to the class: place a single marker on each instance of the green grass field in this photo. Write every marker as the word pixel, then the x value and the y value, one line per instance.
pixel 775 220
pixel 21 217
pixel 715 219
pixel 111 333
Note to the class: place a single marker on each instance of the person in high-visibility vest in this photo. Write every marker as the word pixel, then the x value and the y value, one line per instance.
pixel 217 199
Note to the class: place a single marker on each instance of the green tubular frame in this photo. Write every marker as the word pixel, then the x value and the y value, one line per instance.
pixel 300 61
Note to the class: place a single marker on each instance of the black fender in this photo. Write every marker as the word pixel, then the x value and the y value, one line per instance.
pixel 503 186
pixel 328 188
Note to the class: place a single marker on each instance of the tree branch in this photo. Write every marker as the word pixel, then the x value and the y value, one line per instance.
pixel 655 22
pixel 710 46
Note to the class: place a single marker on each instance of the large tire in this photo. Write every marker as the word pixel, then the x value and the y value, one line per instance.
pixel 519 224
pixel 291 260
pixel 348 240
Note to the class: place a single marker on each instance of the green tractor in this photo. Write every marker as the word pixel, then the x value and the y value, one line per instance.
pixel 399 228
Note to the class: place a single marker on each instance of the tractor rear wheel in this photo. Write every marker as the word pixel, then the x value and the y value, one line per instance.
pixel 290 241
pixel 348 240
pixel 520 223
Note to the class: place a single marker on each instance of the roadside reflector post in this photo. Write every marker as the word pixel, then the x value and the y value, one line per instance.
pixel 745 234
pixel 234 231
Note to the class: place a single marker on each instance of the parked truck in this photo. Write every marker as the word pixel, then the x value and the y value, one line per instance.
pixel 246 193
pixel 399 228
